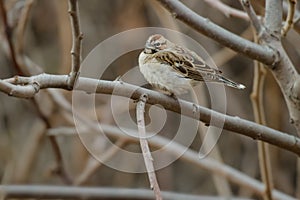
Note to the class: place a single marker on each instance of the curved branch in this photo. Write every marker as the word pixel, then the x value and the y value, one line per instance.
pixel 290 17
pixel 235 124
pixel 252 50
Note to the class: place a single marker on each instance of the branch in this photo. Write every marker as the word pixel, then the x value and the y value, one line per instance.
pixel 63 192
pixel 76 43
pixel 273 17
pixel 219 34
pixel 8 34
pixel 290 17
pixel 175 149
pixel 20 29
pixel 227 10
pixel 252 15
pixel 259 115
pixel 26 91
pixel 235 124
pixel 284 71
pixel 140 109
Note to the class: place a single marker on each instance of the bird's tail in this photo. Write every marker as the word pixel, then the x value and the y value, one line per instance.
pixel 231 83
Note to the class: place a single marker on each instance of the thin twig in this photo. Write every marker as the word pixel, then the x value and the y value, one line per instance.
pixel 9 34
pixel 140 109
pixel 21 27
pixel 259 115
pixel 257 101
pixel 76 43
pixel 227 10
pixel 290 17
pixel 255 21
pixel 235 124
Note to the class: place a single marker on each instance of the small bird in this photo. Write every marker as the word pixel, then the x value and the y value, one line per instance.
pixel 174 69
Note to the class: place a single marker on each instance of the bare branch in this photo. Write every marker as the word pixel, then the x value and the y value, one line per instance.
pixel 273 17
pixel 63 192
pixel 234 124
pixel 8 35
pixel 215 32
pixel 252 15
pixel 283 70
pixel 76 44
pixel 190 156
pixel 26 91
pixel 140 109
pixel 259 115
pixel 290 17
pixel 227 10
pixel 20 30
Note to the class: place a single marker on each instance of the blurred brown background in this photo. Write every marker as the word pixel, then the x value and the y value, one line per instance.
pixel 25 152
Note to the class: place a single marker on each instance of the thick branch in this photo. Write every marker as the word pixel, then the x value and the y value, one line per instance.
pixel 234 124
pixel 273 16
pixel 290 17
pixel 219 34
pixel 284 71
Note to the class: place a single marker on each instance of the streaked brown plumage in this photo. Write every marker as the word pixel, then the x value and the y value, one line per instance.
pixel 175 69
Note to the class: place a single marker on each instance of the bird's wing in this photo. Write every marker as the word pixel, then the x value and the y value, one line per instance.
pixel 186 63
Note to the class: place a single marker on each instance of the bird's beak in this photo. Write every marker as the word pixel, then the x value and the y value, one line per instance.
pixel 148 46
pixel 149 49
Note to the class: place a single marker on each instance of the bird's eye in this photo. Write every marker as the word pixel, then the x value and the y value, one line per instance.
pixel 158 44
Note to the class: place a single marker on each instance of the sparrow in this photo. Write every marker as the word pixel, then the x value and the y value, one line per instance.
pixel 174 70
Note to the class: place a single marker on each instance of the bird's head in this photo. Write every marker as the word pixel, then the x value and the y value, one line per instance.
pixel 155 43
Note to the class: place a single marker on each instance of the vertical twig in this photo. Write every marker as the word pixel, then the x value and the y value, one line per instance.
pixel 22 23
pixel 252 15
pixel 8 34
pixel 140 109
pixel 290 17
pixel 273 16
pixel 76 42
pixel 259 115
pixel 257 102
